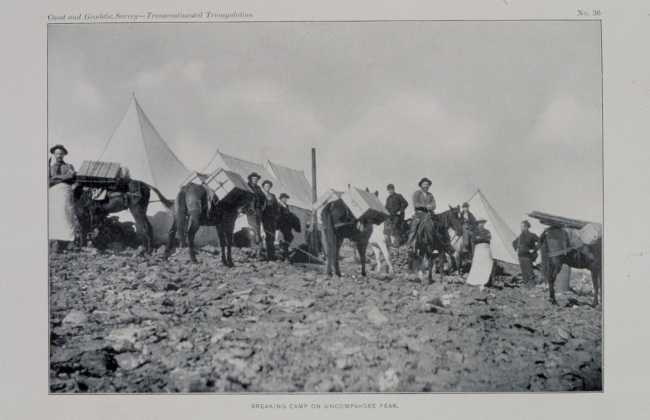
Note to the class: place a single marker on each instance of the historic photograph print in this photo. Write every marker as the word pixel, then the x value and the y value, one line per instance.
pixel 313 207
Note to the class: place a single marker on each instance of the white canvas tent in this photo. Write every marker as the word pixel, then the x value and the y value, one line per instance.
pixel 245 168
pixel 502 235
pixel 137 145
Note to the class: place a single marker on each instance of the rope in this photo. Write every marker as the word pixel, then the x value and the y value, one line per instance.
pixel 298 249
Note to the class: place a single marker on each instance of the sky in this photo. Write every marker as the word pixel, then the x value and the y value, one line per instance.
pixel 513 108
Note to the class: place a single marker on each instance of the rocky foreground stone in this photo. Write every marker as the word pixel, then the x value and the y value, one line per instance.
pixel 129 323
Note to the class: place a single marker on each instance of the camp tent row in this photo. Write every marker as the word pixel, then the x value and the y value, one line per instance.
pixel 137 145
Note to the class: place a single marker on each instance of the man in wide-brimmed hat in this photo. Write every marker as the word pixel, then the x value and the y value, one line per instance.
pixel 468 222
pixel 395 204
pixel 527 245
pixel 423 203
pixel 62 219
pixel 254 215
pixel 285 225
pixel 270 215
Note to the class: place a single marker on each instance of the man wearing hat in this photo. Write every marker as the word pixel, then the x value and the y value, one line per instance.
pixel 284 224
pixel 270 215
pixel 395 204
pixel 254 215
pixel 468 221
pixel 62 219
pixel 423 202
pixel 527 245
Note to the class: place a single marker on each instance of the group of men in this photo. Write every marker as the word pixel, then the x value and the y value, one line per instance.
pixel 268 214
pixel 474 231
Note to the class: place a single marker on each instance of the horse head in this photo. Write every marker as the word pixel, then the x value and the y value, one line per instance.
pixel 454 216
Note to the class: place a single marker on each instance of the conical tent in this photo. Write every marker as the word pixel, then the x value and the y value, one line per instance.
pixel 502 235
pixel 137 145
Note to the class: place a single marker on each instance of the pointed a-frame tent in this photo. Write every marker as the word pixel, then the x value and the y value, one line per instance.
pixel 137 145
pixel 502 235
pixel 294 180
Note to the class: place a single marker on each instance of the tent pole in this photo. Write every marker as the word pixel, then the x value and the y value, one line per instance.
pixel 313 246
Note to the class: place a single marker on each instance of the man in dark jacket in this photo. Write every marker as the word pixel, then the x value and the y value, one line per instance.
pixel 270 215
pixel 285 224
pixel 254 215
pixel 395 204
pixel 468 222
pixel 527 245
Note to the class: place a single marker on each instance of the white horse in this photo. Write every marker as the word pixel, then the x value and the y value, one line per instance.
pixel 378 243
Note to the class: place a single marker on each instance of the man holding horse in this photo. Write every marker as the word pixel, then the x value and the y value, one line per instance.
pixel 254 214
pixel 284 224
pixel 395 204
pixel 63 221
pixel 469 224
pixel 527 245
pixel 270 215
pixel 423 203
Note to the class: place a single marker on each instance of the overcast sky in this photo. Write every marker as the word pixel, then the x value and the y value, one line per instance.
pixel 512 108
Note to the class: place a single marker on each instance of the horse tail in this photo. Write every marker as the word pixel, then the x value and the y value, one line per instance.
pixel 180 214
pixel 167 203
pixel 545 254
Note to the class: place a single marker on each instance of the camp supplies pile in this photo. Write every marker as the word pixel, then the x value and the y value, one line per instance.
pixel 557 221
pixel 588 232
pixel 365 206
pixel 229 187
pixel 99 173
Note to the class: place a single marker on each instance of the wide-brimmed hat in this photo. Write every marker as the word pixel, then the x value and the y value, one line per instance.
pixel 283 195
pixel 267 182
pixel 465 205
pixel 526 223
pixel 424 180
pixel 390 187
pixel 58 146
pixel 254 175
pixel 481 221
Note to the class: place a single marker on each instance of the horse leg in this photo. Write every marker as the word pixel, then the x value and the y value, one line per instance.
pixel 596 278
pixel 376 251
pixel 441 265
pixel 384 249
pixel 192 227
pixel 142 226
pixel 335 257
pixel 554 268
pixel 362 247
pixel 170 240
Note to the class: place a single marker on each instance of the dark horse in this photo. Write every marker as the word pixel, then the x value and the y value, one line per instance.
pixel 194 208
pixel 339 223
pixel 132 195
pixel 433 235
pixel 557 250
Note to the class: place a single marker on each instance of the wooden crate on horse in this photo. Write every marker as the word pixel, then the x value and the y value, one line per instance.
pixel 228 186
pixel 99 173
pixel 365 206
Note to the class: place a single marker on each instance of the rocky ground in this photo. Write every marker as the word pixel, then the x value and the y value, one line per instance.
pixel 124 322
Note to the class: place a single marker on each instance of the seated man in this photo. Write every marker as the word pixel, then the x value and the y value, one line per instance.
pixel 423 202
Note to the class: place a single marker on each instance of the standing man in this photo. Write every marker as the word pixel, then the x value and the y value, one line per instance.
pixel 285 225
pixel 527 245
pixel 62 219
pixel 254 215
pixel 423 202
pixel 468 221
pixel 270 216
pixel 395 204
